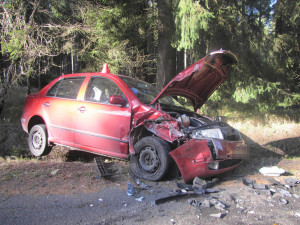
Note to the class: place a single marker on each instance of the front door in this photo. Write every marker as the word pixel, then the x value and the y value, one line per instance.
pixel 100 126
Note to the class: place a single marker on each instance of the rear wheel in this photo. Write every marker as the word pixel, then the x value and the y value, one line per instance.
pixel 37 140
pixel 152 159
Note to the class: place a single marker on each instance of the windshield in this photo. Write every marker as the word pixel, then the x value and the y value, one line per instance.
pixel 147 92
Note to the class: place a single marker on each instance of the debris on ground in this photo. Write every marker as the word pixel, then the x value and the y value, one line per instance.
pixel 291 182
pixel 218 215
pixel 198 188
pixel 54 172
pixel 140 199
pixel 252 184
pixel 272 171
pixel 283 201
pixel 100 168
pixel 203 184
pixel 130 189
pixel 199 183
pixel 142 185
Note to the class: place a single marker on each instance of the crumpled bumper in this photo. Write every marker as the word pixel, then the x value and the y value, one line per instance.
pixel 198 158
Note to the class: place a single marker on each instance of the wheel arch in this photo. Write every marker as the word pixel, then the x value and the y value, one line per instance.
pixel 142 131
pixel 138 133
pixel 34 121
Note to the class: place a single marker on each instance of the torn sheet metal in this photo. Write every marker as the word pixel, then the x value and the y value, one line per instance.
pixel 190 156
pixel 193 158
pixel 167 130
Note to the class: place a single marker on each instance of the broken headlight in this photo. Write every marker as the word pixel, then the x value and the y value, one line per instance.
pixel 209 133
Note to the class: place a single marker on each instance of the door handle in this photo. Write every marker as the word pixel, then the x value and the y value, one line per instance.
pixel 82 109
pixel 46 104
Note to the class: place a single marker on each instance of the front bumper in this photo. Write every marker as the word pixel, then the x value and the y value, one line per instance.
pixel 194 157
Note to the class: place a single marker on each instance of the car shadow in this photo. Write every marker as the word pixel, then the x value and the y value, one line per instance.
pixel 259 156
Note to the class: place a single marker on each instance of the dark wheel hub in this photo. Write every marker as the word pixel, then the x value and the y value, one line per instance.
pixel 149 160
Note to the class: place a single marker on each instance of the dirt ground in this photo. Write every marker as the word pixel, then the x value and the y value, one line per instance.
pixel 64 172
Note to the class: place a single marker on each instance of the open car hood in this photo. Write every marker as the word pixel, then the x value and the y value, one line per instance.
pixel 201 79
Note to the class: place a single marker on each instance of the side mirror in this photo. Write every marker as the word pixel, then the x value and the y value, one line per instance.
pixel 117 100
pixel 222 119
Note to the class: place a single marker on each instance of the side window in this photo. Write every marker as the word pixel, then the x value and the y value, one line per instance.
pixel 66 88
pixel 52 91
pixel 100 89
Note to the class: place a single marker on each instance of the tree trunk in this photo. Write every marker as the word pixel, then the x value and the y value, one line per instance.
pixel 166 65
pixel 2 97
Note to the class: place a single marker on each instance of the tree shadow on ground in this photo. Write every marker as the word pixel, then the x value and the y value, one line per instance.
pixel 266 155
pixel 289 147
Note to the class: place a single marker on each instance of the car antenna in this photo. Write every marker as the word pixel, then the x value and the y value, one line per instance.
pixel 105 68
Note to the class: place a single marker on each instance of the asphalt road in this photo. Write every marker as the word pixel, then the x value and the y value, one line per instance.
pixel 242 205
pixel 109 206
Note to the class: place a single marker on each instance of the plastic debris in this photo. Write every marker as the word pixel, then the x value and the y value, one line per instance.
pixel 186 187
pixel 140 199
pixel 283 201
pixel 142 185
pixel 284 192
pixel 211 190
pixel 195 202
pixel 259 186
pixel 100 168
pixel 206 203
pixel 252 183
pixel 54 172
pixel 218 215
pixel 272 171
pixel 220 206
pixel 199 183
pixel 130 189
pixel 292 182
pixel 199 191
pixel 248 182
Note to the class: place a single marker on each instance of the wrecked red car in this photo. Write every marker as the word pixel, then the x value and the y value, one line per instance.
pixel 122 117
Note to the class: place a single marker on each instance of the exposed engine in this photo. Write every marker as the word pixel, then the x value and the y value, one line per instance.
pixel 200 127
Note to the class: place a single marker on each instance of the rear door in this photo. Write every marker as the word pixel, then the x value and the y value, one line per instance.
pixel 59 108
pixel 100 126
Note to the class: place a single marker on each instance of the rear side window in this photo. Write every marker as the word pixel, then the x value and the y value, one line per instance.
pixel 66 88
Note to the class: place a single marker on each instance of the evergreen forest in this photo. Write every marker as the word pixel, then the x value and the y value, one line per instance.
pixel 155 40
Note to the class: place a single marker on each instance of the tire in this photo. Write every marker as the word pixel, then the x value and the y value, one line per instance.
pixel 152 160
pixel 38 140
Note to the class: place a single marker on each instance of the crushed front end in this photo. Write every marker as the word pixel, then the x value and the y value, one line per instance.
pixel 210 148
pixel 204 157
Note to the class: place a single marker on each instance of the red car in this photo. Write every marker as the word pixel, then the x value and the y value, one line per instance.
pixel 123 117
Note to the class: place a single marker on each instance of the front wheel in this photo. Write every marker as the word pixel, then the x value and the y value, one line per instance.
pixel 37 140
pixel 152 160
